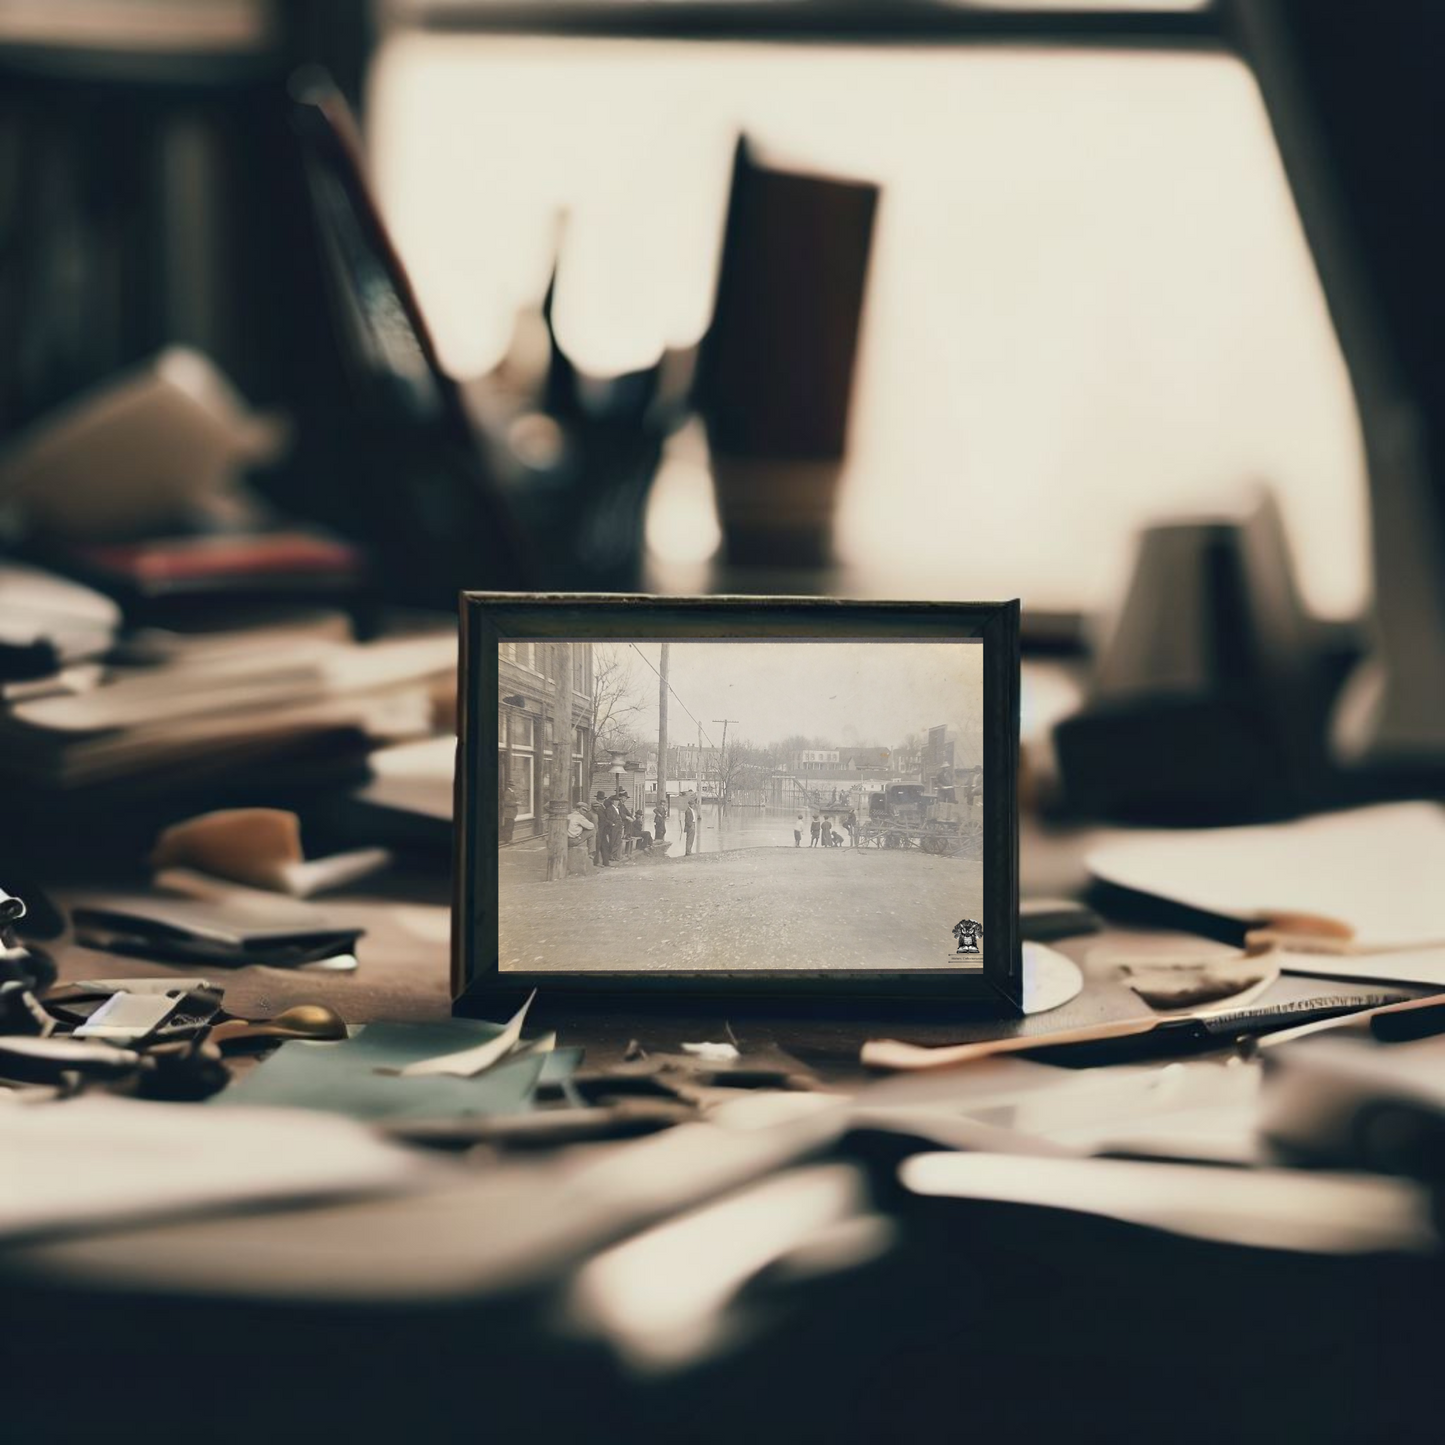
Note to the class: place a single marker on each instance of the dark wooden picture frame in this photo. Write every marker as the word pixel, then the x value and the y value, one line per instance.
pixel 490 619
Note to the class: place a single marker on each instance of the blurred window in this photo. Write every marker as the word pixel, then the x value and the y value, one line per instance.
pixel 1090 302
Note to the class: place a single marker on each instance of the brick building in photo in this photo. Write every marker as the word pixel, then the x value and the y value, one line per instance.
pixel 527 727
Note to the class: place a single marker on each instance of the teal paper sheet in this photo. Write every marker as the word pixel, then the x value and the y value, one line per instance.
pixel 342 1076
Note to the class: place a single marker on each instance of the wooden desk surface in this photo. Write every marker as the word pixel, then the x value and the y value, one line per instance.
pixel 1009 1323
pixel 404 976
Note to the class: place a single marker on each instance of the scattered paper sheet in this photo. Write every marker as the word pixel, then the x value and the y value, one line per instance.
pixel 713 1053
pixel 1367 869
pixel 96 1162
pixel 1411 965
pixel 140 985
pixel 1195 1109
pixel 363 1076
pixel 661 1297
pixel 468 1063
pixel 1265 1208
pixel 1174 986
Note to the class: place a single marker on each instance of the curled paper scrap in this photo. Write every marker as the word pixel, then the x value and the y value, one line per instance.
pixel 468 1063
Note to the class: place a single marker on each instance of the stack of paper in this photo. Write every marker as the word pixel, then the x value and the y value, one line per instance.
pixel 1314 1212
pixel 222 705
pixel 60 620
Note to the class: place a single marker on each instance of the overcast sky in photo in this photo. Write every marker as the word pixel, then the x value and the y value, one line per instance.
pixel 850 693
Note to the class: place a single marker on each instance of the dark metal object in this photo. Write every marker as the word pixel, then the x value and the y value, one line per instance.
pixel 45 1061
pixel 197 1001
pixel 181 1072
pixel 300 1021
pixel 30 967
pixel 21 1012
pixel 1213 652
pixel 413 484
pixel 1352 94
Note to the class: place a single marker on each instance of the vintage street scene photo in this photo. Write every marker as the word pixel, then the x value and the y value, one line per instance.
pixel 740 805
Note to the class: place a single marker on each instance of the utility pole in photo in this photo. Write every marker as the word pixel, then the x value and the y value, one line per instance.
pixel 662 731
pixel 722 763
pixel 698 808
pixel 559 803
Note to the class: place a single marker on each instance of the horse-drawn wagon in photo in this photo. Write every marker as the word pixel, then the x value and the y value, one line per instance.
pixel 908 815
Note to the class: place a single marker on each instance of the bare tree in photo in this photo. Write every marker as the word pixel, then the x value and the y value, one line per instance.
pixel 743 768
pixel 617 704
pixel 800 742
pixel 726 771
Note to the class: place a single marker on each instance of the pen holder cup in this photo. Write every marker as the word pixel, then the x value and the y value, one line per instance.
pixel 777 513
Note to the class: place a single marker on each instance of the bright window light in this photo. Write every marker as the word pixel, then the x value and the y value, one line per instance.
pixel 1090 303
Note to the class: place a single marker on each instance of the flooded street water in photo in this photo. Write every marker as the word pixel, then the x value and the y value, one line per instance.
pixel 739 828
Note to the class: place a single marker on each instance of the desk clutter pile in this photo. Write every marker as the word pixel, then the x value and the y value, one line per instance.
pixel 641 1214
pixel 1351 1082
pixel 653 1205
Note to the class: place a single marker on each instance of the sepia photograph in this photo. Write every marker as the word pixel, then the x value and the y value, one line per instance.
pixel 740 805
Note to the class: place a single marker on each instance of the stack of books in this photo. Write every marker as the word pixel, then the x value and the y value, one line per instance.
pixel 221 706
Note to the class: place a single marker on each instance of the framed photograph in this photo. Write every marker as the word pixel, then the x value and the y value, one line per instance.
pixel 770 797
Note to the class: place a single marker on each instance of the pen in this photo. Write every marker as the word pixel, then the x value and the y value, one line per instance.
pixel 1201 1032
pixel 1123 1039
pixel 1411 1018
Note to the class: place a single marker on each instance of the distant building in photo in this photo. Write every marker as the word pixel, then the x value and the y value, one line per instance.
pixel 940 749
pixel 814 760
pixel 907 761
pixel 688 762
pixel 528 726
pixel 874 761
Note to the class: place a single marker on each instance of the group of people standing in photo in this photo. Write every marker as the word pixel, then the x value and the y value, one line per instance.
pixel 607 824
pixel 616 823
pixel 822 832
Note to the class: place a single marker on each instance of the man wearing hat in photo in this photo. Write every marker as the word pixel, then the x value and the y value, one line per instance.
pixel 606 826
